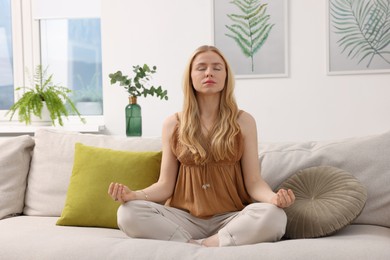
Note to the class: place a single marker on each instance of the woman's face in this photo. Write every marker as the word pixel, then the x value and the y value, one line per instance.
pixel 208 73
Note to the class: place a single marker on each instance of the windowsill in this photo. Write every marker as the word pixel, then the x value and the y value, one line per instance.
pixel 28 129
pixel 93 125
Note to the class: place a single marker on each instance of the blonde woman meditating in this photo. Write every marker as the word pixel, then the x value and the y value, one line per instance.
pixel 210 191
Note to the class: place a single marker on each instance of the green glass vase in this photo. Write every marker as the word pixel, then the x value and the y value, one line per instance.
pixel 133 118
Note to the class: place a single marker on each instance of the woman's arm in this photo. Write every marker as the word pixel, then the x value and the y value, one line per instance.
pixel 257 188
pixel 163 188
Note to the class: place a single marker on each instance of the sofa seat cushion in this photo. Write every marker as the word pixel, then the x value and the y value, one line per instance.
pixel 15 156
pixel 327 200
pixel 87 201
pixel 52 164
pixel 29 237
pixel 366 158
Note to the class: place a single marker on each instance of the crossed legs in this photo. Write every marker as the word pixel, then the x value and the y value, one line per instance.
pixel 258 222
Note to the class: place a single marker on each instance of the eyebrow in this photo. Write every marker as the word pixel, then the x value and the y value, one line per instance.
pixel 205 63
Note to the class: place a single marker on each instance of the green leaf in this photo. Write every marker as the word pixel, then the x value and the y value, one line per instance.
pixel 138 85
pixel 250 28
pixel 43 89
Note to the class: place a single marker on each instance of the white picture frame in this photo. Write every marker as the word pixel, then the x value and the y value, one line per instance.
pixel 271 59
pixel 347 51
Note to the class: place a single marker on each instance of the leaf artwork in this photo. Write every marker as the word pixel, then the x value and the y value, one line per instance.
pixel 251 27
pixel 364 28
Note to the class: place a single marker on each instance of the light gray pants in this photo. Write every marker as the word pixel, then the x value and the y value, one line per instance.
pixel 258 222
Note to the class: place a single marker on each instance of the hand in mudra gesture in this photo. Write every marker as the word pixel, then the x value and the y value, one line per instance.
pixel 283 198
pixel 120 192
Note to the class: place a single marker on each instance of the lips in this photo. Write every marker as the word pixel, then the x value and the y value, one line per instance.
pixel 209 82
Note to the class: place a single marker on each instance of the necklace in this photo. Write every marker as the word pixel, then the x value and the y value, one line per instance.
pixel 207 129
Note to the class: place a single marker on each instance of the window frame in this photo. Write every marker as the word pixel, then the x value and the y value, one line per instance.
pixel 17 48
pixel 26 56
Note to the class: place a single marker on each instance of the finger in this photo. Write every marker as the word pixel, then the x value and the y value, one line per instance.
pixel 120 193
pixel 292 195
pixel 282 197
pixel 287 197
pixel 278 201
pixel 115 191
pixel 110 188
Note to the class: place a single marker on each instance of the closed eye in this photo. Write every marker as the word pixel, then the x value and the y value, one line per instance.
pixel 201 68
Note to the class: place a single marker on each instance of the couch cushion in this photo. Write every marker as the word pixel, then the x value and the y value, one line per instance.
pixel 327 200
pixel 93 171
pixel 15 156
pixel 39 238
pixel 52 163
pixel 366 158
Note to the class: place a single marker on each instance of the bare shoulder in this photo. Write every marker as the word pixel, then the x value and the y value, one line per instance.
pixel 247 122
pixel 170 120
pixel 169 124
pixel 249 133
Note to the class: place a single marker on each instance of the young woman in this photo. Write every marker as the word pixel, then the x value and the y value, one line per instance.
pixel 210 191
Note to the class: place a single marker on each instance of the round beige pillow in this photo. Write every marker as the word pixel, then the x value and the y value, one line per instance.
pixel 327 199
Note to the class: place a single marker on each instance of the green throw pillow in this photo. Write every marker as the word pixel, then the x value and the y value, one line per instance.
pixel 327 200
pixel 87 202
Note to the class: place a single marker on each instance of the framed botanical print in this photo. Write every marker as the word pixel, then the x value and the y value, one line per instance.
pixel 253 35
pixel 358 36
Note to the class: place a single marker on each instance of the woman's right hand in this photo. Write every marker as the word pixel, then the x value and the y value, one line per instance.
pixel 120 192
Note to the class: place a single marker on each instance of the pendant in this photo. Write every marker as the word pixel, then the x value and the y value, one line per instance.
pixel 206 186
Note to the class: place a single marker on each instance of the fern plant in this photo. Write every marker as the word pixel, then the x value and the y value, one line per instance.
pixel 364 28
pixel 41 91
pixel 140 84
pixel 251 27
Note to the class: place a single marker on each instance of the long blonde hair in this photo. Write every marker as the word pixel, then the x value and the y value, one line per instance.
pixel 223 139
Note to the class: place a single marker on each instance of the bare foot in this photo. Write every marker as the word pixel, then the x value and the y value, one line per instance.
pixel 212 241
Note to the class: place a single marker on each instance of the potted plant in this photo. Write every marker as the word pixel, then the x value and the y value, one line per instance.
pixel 41 95
pixel 88 98
pixel 139 85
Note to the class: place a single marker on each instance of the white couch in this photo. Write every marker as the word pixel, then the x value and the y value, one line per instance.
pixel 35 173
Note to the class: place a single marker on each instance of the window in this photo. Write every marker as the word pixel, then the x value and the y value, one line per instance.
pixel 71 49
pixel 63 36
pixel 6 57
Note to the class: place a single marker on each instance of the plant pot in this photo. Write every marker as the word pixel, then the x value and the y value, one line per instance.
pixel 44 120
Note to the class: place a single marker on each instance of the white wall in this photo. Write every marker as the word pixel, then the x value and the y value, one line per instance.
pixel 308 105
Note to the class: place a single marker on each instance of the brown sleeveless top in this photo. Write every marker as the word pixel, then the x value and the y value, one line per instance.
pixel 209 189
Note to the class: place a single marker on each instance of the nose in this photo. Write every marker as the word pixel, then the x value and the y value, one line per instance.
pixel 209 72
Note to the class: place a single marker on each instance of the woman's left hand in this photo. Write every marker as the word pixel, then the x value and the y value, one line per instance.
pixel 283 198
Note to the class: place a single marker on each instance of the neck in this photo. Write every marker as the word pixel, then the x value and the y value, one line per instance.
pixel 208 106
pixel 208 113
